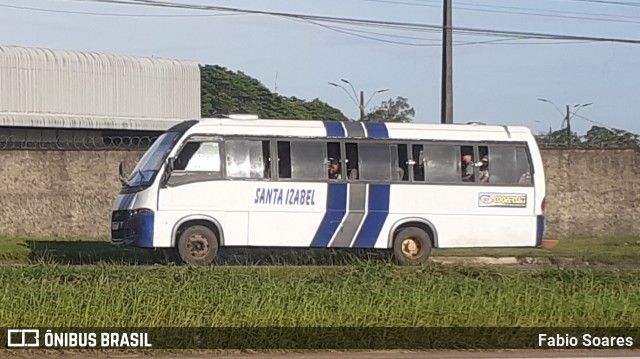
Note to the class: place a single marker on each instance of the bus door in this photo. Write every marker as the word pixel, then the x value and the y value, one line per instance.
pixel 195 189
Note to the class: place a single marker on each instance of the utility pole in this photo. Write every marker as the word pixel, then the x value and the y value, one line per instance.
pixel 446 109
pixel 361 106
pixel 569 127
pixel 567 117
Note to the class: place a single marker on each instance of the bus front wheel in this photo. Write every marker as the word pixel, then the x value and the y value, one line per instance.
pixel 412 246
pixel 198 245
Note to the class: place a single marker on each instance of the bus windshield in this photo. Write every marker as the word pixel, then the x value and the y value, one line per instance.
pixel 147 168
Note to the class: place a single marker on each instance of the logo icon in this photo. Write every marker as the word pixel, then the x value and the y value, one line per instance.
pixel 23 338
pixel 485 199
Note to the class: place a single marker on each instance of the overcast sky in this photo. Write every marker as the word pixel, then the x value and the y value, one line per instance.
pixel 497 82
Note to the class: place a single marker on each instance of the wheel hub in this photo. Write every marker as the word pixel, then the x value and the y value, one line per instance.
pixel 197 246
pixel 411 247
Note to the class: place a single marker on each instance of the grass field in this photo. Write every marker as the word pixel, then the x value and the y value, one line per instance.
pixel 62 283
pixel 21 250
pixel 357 295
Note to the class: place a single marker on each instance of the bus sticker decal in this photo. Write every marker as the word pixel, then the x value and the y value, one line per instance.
pixel 502 200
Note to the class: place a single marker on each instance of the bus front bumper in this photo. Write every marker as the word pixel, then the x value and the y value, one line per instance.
pixel 131 228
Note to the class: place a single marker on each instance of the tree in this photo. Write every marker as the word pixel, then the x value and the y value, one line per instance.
pixel 596 137
pixel 227 92
pixel 603 137
pixel 559 138
pixel 397 110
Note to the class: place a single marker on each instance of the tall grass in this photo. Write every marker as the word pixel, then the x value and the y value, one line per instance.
pixel 363 295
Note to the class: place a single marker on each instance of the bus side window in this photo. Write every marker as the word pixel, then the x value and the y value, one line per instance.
pixel 418 163
pixel 483 164
pixel 182 160
pixel 301 160
pixel 403 163
pixel 199 157
pixel 266 159
pixel 442 163
pixel 334 159
pixel 468 164
pixel 524 167
pixel 510 165
pixel 377 162
pixel 284 159
pixel 352 161
pixel 245 159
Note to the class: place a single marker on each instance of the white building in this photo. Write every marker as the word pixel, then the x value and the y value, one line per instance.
pixel 54 89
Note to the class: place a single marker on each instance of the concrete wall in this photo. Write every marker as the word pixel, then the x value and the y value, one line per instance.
pixel 60 193
pixel 590 193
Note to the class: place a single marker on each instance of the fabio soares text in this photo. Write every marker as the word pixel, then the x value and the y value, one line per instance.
pixel 586 340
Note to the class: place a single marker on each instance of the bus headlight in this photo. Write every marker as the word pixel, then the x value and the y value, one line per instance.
pixel 138 211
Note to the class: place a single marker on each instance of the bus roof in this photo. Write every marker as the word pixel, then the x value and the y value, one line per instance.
pixel 307 128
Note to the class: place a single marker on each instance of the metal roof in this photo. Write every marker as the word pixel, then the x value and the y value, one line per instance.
pixel 14 119
pixel 65 88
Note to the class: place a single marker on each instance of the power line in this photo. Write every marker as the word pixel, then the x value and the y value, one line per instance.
pixel 524 11
pixel 377 33
pixel 605 2
pixel 551 11
pixel 355 21
pixel 112 14
pixel 592 121
pixel 351 32
pixel 354 32
pixel 547 15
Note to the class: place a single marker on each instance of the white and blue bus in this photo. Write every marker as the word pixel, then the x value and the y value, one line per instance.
pixel 244 181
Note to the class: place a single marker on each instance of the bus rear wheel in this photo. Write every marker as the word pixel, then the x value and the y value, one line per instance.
pixel 412 246
pixel 198 245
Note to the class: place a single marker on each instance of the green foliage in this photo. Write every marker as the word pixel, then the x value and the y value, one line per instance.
pixel 596 137
pixel 397 110
pixel 226 92
pixel 604 137
pixel 559 137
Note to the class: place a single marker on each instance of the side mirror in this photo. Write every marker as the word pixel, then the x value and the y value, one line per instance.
pixel 171 163
pixel 121 173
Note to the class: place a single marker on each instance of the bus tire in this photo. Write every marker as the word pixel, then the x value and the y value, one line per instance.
pixel 412 246
pixel 198 245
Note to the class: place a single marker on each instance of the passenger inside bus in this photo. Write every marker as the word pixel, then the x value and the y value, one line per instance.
pixel 467 168
pixel 334 169
pixel 484 170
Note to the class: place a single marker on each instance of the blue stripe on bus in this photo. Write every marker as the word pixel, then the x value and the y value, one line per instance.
pixel 334 128
pixel 336 209
pixel 376 216
pixel 377 130
pixel 540 231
